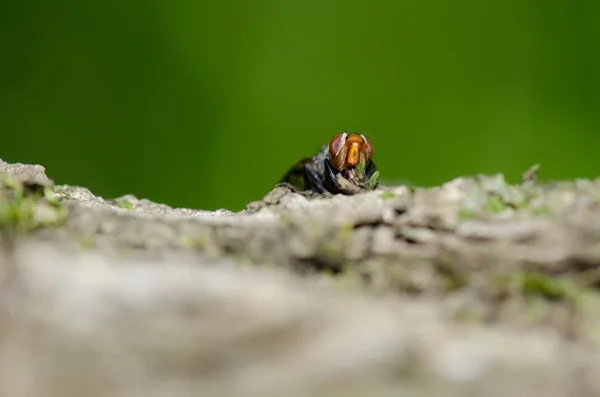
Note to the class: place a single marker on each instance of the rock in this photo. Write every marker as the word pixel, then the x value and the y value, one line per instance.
pixel 33 175
pixel 92 324
pixel 476 287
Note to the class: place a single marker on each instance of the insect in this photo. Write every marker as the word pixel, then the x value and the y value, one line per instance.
pixel 344 166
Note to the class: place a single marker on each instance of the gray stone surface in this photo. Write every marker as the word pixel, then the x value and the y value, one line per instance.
pixel 476 287
pixel 30 174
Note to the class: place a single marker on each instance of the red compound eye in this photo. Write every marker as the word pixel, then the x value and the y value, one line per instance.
pixel 368 147
pixel 336 144
pixel 349 150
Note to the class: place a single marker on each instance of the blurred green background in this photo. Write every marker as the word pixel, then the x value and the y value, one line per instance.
pixel 206 104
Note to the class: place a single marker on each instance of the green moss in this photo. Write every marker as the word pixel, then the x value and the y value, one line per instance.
pixel 126 204
pixel 50 196
pixel 361 166
pixel 329 272
pixel 346 232
pixel 8 182
pixel 23 209
pixel 87 241
pixel 452 279
pixel 387 195
pixel 520 205
pixel 495 205
pixel 329 250
pixel 542 211
pixel 189 242
pixel 466 214
pixel 543 285
pixel 16 215
pixel 452 284
pixel 373 180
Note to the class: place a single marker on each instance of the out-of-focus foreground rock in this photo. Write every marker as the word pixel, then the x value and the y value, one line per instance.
pixel 476 287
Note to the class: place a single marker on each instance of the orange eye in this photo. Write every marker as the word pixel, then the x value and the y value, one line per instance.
pixel 369 147
pixel 336 144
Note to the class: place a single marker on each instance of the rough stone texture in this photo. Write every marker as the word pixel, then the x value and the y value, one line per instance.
pixel 29 174
pixel 475 287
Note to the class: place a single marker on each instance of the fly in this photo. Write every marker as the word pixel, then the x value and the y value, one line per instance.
pixel 344 166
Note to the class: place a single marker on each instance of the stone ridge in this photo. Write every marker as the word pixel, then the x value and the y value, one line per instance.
pixel 477 286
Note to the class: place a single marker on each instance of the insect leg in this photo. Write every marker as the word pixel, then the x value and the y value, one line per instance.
pixel 330 180
pixel 312 180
